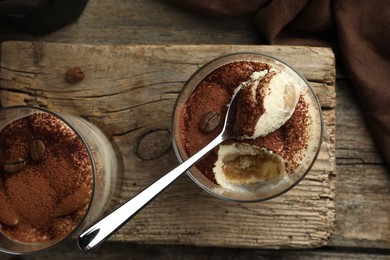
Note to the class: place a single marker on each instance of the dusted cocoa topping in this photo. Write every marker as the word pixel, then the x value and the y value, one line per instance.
pixel 9 216
pixel 209 97
pixel 231 75
pixel 248 111
pixel 290 139
pixel 48 197
pixel 213 94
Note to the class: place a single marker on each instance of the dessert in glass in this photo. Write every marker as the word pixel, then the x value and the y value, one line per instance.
pixel 278 125
pixel 58 172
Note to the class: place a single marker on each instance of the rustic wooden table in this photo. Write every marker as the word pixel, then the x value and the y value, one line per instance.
pixel 361 193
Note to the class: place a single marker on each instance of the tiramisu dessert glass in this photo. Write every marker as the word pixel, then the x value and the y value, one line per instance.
pixel 57 173
pixel 278 127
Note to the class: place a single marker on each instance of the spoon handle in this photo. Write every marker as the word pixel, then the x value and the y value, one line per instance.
pixel 105 227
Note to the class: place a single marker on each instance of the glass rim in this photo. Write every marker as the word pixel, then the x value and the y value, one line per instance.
pixel 93 168
pixel 223 60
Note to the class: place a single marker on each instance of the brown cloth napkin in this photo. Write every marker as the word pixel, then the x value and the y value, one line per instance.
pixel 358 29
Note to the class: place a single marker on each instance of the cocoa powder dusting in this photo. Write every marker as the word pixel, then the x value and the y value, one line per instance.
pixel 296 135
pixel 291 139
pixel 249 110
pixel 231 75
pixel 209 97
pixel 214 93
pixel 48 196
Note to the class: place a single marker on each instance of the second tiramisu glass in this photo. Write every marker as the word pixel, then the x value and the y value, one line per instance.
pixel 57 173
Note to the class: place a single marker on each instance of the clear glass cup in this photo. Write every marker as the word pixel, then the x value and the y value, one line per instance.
pixel 266 190
pixel 103 165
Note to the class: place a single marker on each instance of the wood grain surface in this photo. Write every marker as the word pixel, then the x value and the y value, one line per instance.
pixel 362 191
pixel 130 90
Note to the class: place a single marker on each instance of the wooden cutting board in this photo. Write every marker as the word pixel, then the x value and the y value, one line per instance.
pixel 130 91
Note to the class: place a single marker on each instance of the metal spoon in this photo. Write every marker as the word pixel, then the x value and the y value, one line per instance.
pixel 105 227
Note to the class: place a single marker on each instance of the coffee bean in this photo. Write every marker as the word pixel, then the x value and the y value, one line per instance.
pixel 37 150
pixel 209 121
pixel 14 165
pixel 74 75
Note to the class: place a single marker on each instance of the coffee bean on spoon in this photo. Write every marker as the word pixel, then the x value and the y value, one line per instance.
pixel 37 150
pixel 14 165
pixel 209 122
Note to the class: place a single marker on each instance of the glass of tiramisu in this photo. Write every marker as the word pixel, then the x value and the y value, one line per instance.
pixel 57 173
pixel 278 126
